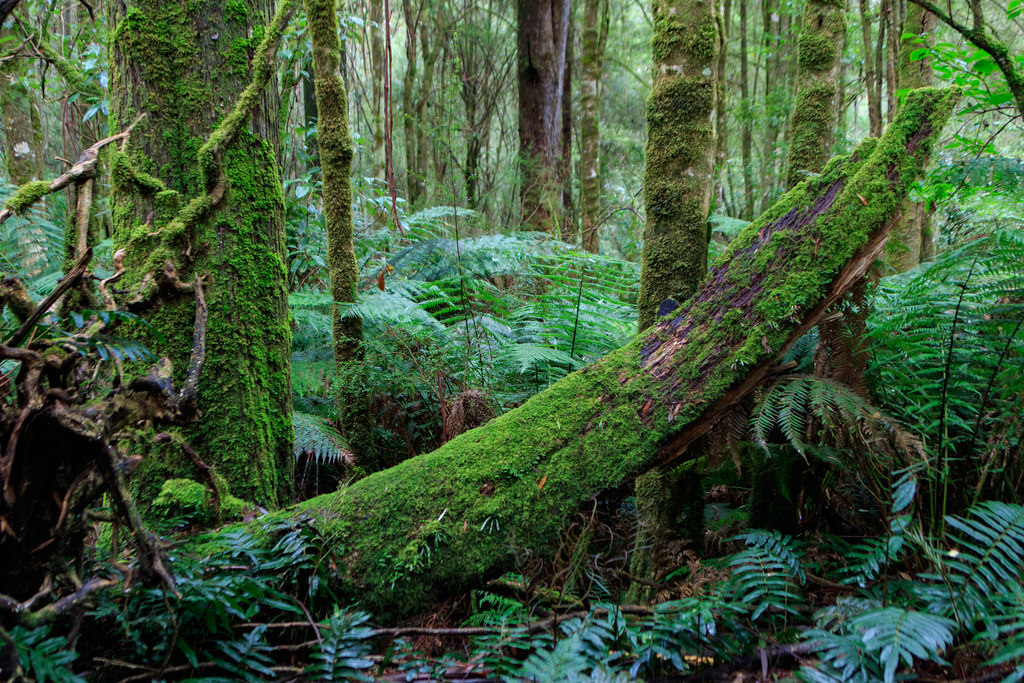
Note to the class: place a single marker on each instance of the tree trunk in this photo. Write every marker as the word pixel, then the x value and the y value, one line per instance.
pixel 813 122
pixel 870 78
pixel 22 124
pixel 747 134
pixel 441 523
pixel 335 146
pixel 678 182
pixel 411 16
pixel 680 155
pixel 543 27
pixel 596 17
pixel 913 240
pixel 184 66
pixel 721 124
pixel 568 229
pixel 377 75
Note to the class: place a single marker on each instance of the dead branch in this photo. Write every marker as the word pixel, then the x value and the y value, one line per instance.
pixel 84 168
pixel 66 283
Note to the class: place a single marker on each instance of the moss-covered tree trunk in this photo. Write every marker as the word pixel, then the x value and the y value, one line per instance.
pixel 335 143
pixel 678 184
pixel 596 18
pixel 913 241
pixel 184 64
pixel 813 121
pixel 543 29
pixel 443 522
pixel 21 121
pixel 678 175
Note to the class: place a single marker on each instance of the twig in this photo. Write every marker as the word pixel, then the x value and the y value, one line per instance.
pixel 69 281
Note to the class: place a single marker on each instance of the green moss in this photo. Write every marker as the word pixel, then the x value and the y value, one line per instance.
pixel 163 212
pixel 28 194
pixel 189 501
pixel 816 52
pixel 236 10
pixel 503 492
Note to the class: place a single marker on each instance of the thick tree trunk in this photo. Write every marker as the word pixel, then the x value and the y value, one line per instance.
pixel 441 523
pixel 596 18
pixel 568 229
pixel 680 156
pixel 543 27
pixel 185 66
pixel 678 183
pixel 813 122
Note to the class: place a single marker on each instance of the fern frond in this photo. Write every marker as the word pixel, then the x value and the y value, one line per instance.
pixel 314 435
pixel 765 575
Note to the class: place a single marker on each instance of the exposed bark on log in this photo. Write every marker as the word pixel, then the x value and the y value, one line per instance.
pixel 496 495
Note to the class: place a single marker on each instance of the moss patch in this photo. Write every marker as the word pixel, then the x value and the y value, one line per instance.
pixel 28 194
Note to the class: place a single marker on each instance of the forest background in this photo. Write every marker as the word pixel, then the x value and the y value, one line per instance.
pixel 486 266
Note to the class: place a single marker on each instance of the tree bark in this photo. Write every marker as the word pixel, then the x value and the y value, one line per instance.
pixel 543 27
pixel 870 80
pixel 913 239
pixel 596 17
pixel 444 522
pixel 813 122
pixel 210 206
pixel 376 30
pixel 747 134
pixel 680 155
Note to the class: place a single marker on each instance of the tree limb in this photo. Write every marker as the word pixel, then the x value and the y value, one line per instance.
pixel 979 35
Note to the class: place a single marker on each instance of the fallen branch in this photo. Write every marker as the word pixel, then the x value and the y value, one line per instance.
pixel 444 522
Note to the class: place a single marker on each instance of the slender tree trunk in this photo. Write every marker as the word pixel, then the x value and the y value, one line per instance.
pixel 912 240
pixel 894 28
pixel 721 124
pixel 543 27
pixel 746 134
pixel 596 17
pixel 411 16
pixel 376 31
pixel 813 122
pixel 185 66
pixel 568 229
pixel 335 146
pixel 424 98
pixel 880 61
pixel 505 490
pixel 870 78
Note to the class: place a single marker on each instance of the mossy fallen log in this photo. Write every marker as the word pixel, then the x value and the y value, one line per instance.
pixel 449 520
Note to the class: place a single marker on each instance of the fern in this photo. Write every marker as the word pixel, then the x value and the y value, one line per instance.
pixel 343 654
pixel 877 641
pixel 44 657
pixel 765 575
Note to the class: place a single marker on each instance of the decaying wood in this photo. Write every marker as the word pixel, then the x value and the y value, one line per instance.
pixel 450 520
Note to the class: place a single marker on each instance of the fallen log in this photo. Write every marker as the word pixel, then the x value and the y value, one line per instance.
pixel 449 520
